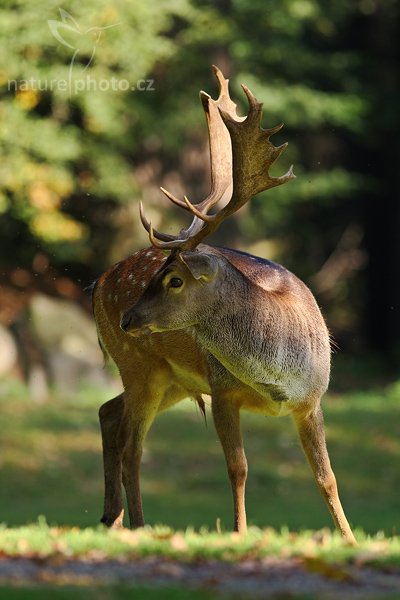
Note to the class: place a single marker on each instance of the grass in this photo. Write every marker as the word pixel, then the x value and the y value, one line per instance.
pixel 50 464
pixel 50 461
pixel 41 541
pixel 103 593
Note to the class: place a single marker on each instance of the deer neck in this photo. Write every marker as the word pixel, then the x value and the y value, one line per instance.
pixel 230 331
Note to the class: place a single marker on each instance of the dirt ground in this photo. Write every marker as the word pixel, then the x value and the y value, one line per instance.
pixel 269 578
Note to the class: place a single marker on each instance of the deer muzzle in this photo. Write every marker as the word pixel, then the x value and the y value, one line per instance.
pixel 135 324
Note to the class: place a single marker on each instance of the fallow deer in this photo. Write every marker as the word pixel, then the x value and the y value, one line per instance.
pixel 206 320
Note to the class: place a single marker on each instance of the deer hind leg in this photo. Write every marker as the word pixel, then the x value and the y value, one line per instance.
pixel 113 433
pixel 312 435
pixel 227 423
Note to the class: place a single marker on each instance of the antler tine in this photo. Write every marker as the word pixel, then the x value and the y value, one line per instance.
pixel 165 237
pixel 187 205
pixel 195 211
pixel 154 240
pixel 174 199
pixel 170 244
pixel 283 178
pixel 145 222
pixel 272 130
pixel 222 82
pixel 255 107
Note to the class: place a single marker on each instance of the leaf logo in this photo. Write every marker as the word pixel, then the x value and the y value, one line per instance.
pixel 70 34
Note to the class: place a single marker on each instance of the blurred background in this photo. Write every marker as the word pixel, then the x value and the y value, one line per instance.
pixel 79 149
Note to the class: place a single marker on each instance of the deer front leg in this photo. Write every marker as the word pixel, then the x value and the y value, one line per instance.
pixel 131 475
pixel 140 418
pixel 312 435
pixel 113 433
pixel 227 423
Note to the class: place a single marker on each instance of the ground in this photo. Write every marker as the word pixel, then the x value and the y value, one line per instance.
pixel 50 458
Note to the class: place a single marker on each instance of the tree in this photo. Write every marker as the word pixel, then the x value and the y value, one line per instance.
pixel 79 163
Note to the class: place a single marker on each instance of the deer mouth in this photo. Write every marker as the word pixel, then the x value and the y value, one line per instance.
pixel 141 331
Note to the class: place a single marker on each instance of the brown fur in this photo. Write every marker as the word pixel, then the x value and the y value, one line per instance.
pixel 217 354
pixel 213 321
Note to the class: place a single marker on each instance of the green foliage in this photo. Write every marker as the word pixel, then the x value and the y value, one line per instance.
pixel 75 164
pixel 63 146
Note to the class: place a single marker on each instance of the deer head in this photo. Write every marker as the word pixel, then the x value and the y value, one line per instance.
pixel 241 154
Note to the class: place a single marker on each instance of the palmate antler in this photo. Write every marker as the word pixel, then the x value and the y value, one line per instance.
pixel 241 155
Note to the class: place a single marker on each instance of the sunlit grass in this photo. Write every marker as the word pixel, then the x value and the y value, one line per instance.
pixel 50 464
pixel 43 541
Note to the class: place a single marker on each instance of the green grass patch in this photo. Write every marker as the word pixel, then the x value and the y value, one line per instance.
pixel 50 464
pixel 103 593
pixel 43 541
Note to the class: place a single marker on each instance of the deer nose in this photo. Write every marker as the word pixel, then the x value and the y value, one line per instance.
pixel 134 324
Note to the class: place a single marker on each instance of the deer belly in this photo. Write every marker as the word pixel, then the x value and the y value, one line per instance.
pixel 277 381
pixel 249 400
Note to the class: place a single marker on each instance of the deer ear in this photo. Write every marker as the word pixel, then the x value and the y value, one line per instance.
pixel 201 266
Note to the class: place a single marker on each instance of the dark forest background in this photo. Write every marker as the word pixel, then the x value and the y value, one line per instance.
pixel 73 167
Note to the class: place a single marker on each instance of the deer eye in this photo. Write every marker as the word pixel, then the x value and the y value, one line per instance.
pixel 175 282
